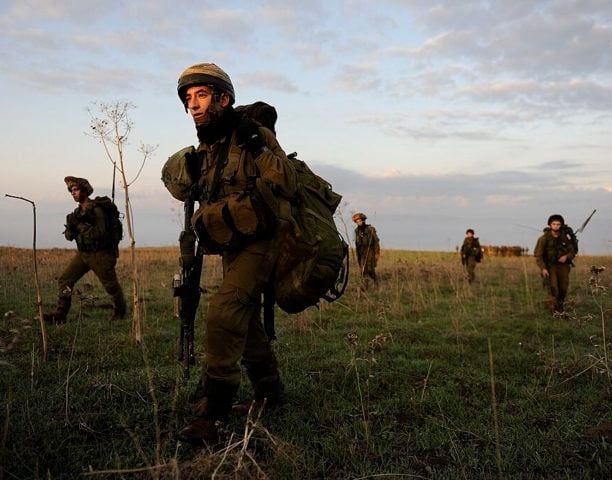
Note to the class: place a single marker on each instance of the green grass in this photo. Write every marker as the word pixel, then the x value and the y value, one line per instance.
pixel 392 384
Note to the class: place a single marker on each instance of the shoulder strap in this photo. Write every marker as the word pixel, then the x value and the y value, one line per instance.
pixel 222 158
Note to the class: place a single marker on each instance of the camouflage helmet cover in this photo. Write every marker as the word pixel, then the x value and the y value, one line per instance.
pixel 205 74
pixel 82 183
pixel 359 215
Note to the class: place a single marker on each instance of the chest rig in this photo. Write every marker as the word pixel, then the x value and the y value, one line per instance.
pixel 232 212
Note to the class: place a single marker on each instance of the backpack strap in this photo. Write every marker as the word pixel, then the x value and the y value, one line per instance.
pixel 222 160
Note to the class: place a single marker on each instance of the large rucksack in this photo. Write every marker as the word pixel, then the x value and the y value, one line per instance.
pixel 312 262
pixel 570 235
pixel 113 220
pixel 313 258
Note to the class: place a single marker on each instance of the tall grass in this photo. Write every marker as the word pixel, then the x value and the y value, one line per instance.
pixel 427 377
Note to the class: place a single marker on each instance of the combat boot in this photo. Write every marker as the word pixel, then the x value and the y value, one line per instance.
pixel 206 429
pixel 202 431
pixel 61 311
pixel 268 388
pixel 269 393
pixel 119 307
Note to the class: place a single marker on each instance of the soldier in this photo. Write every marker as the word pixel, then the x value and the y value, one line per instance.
pixel 237 157
pixel 96 250
pixel 471 254
pixel 367 246
pixel 554 253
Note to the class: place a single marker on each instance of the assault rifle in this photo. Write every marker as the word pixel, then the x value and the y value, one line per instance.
pixel 187 290
pixel 187 284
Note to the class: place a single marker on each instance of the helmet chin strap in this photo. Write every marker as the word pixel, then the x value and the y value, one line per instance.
pixel 211 117
pixel 215 124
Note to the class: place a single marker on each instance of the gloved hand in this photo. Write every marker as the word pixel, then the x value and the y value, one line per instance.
pixel 249 138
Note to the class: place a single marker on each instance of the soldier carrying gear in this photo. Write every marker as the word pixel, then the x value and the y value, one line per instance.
pixel 367 246
pixel 554 253
pixel 234 158
pixel 471 254
pixel 87 225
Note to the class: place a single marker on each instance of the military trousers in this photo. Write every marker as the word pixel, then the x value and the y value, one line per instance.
pixel 470 266
pixel 102 263
pixel 234 330
pixel 367 264
pixel 558 284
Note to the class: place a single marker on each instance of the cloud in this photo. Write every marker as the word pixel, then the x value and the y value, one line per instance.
pixel 273 81
pixel 357 78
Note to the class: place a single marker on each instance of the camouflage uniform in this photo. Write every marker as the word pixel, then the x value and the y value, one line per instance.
pixel 548 250
pixel 234 154
pixel 367 246
pixel 95 251
pixel 471 253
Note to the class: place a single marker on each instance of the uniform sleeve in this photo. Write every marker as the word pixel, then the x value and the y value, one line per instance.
pixel 375 242
pixel 70 232
pixel 274 166
pixel 538 252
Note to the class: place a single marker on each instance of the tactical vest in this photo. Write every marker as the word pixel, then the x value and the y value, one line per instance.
pixel 555 247
pixel 235 204
pixel 364 237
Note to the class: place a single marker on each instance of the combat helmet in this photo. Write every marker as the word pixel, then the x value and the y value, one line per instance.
pixel 82 183
pixel 358 215
pixel 205 74
pixel 556 218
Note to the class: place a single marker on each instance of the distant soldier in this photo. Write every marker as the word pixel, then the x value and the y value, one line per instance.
pixel 97 251
pixel 367 245
pixel 554 253
pixel 471 254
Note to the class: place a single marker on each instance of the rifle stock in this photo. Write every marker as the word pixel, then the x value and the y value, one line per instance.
pixel 187 289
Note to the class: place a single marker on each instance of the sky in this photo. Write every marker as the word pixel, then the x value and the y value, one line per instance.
pixel 429 116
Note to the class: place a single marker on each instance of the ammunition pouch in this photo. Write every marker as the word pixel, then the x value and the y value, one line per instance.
pixel 234 221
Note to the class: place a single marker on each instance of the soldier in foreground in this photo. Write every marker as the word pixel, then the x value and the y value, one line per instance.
pixel 554 253
pixel 97 250
pixel 235 158
pixel 471 254
pixel 367 246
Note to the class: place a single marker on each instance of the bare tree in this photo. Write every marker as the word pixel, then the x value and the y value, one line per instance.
pixel 111 126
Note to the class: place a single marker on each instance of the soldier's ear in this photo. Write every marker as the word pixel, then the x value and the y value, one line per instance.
pixel 225 99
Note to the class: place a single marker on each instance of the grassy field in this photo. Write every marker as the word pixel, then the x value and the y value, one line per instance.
pixel 428 378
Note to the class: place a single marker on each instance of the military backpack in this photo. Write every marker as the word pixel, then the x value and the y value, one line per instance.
pixel 112 219
pixel 313 259
pixel 568 236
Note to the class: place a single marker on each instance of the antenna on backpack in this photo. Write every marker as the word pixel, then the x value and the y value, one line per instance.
pixel 114 176
pixel 585 222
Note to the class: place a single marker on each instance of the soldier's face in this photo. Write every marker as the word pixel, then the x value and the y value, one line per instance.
pixel 76 194
pixel 555 225
pixel 203 104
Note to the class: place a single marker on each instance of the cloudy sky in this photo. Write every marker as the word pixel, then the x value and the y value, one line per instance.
pixel 430 117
